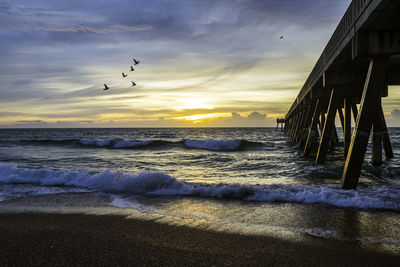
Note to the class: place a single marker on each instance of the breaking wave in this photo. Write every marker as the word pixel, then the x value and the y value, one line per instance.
pixel 160 184
pixel 212 145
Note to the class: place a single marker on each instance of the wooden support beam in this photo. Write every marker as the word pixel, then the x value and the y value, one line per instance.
pixel 285 127
pixel 368 108
pixel 300 131
pixel 307 124
pixel 376 137
pixel 299 128
pixel 322 122
pixel 347 125
pixel 334 138
pixel 293 128
pixel 312 131
pixel 304 125
pixel 385 136
pixel 355 111
pixel 291 125
pixel 295 125
pixel 294 121
pixel 327 132
pixel 341 117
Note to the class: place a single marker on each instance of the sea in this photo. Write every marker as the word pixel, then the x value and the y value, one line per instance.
pixel 241 180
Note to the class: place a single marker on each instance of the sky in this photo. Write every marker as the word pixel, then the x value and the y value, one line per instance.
pixel 203 63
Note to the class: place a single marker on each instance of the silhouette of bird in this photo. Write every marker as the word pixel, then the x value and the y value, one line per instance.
pixel 136 61
pixel 106 87
pixel 124 75
pixel 133 83
pixel 132 69
pixel 281 37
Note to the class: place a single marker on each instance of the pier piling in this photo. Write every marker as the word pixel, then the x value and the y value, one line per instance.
pixel 368 110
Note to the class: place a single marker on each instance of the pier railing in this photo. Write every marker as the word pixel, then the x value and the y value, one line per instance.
pixel 356 8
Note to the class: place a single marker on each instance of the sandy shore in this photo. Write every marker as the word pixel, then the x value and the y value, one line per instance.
pixel 65 239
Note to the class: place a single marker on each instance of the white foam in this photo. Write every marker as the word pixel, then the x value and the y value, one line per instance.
pixel 155 183
pixel 380 240
pixel 214 145
pixel 124 203
pixel 317 232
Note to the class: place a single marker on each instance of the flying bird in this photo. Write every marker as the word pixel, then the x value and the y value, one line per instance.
pixel 132 69
pixel 124 75
pixel 106 87
pixel 133 83
pixel 281 37
pixel 136 61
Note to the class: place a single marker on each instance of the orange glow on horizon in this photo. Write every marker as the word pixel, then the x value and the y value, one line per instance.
pixel 199 117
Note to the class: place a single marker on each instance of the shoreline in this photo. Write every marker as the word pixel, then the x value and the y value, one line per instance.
pixel 32 238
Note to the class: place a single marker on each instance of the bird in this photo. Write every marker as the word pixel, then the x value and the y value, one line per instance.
pixel 132 69
pixel 281 37
pixel 106 87
pixel 133 83
pixel 124 75
pixel 136 61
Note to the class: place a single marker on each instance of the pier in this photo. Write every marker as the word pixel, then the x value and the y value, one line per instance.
pixel 360 61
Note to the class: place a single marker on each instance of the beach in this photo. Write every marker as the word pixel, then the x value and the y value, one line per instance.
pixel 77 239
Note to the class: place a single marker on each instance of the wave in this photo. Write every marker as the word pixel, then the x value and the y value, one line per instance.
pixel 212 145
pixel 160 184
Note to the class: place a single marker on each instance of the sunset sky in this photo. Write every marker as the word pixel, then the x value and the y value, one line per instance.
pixel 202 63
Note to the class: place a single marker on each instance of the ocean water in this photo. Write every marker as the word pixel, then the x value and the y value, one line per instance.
pixel 247 180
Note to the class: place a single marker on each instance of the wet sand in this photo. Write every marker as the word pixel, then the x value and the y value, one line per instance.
pixel 76 239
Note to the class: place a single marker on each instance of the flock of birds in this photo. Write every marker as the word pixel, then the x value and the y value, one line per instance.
pixel 135 62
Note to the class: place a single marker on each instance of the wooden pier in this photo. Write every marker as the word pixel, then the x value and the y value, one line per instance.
pixel 281 122
pixel 353 73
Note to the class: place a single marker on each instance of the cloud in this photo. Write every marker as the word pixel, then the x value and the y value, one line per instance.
pixel 252 116
pixel 29 124
pixel 257 116
pixel 56 55
pixel 78 28
pixel 236 115
pixel 32 121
